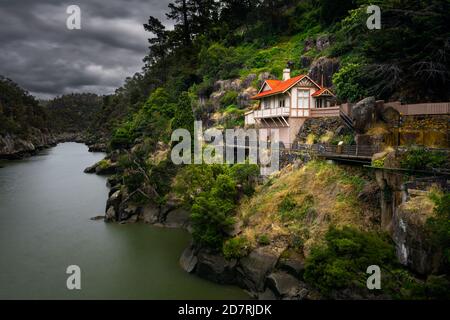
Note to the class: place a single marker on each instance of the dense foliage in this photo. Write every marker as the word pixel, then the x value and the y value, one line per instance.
pixel 343 261
pixel 73 112
pixel 19 111
pixel 420 158
pixel 439 226
pixel 212 193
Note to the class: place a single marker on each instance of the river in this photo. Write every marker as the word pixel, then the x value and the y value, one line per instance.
pixel 46 203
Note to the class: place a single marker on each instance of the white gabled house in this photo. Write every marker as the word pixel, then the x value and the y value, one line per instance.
pixel 286 104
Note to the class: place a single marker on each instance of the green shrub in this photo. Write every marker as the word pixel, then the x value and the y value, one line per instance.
pixel 287 204
pixel 122 137
pixel 419 158
pixel 246 175
pixel 212 211
pixel 229 98
pixel 263 240
pixel 343 260
pixel 235 248
pixel 290 210
pixel 439 225
pixel 348 83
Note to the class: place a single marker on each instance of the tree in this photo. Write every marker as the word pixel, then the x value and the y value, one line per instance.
pixel 159 44
pixel 181 12
pixel 184 117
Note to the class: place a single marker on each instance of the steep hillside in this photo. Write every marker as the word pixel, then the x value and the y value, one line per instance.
pixel 24 124
pixel 73 113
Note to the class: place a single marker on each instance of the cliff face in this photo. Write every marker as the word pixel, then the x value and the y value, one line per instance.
pixel 15 147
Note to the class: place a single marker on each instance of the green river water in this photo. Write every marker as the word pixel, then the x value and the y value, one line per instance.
pixel 46 203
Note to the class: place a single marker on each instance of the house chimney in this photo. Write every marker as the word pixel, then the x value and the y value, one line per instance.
pixel 286 74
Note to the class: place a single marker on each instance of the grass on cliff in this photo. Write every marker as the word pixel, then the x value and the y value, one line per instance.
pixel 298 206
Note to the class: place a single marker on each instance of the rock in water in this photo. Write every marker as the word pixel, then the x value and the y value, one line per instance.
pixel 97 218
pixel 90 169
pixel 188 260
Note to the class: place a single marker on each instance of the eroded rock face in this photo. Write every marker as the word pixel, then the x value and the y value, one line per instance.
pixel 412 240
pixel 112 206
pixel 326 67
pixel 14 147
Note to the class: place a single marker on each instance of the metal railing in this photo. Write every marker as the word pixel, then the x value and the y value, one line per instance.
pixel 335 150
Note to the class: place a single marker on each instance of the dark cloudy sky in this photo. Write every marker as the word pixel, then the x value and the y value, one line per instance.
pixel 39 53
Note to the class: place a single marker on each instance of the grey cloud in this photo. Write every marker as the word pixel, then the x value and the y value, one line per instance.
pixel 42 55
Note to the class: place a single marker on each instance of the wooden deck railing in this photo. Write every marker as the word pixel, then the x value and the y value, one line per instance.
pixel 325 112
pixel 420 108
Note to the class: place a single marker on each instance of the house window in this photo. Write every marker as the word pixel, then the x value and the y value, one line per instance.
pixel 265 104
pixel 303 99
pixel 281 103
pixel 319 103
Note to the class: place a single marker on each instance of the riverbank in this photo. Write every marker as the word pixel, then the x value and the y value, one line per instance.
pixel 15 147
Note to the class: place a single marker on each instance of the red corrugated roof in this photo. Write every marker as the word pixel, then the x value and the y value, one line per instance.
pixel 278 86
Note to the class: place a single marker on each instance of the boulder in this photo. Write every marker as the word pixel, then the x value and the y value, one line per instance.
pixel 323 42
pixel 90 169
pixel 98 147
pixel 286 286
pixel 150 214
pixel 253 269
pixel 114 200
pixel 364 114
pixel 126 211
pixel 111 215
pixel 293 263
pixel 390 115
pixel 178 218
pixel 326 67
pixel 215 267
pixel 106 168
pixel 188 259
